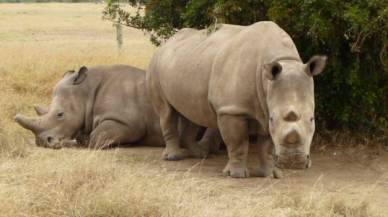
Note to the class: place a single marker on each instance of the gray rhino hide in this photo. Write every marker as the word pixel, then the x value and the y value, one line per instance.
pixel 103 105
pixel 240 80
pixel 99 103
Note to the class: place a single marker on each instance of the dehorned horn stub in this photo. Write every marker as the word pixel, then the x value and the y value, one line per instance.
pixel 28 123
pixel 291 114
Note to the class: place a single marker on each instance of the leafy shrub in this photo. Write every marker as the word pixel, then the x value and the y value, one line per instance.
pixel 352 91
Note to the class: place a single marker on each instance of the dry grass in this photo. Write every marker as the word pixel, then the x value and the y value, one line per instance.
pixel 94 183
pixel 38 44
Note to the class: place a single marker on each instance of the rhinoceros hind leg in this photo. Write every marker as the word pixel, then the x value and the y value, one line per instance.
pixel 234 131
pixel 211 141
pixel 188 132
pixel 267 162
pixel 169 118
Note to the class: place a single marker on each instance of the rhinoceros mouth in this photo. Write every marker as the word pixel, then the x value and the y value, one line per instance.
pixel 53 143
pixel 293 161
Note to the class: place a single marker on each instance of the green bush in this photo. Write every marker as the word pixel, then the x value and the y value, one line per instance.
pixel 354 34
pixel 352 91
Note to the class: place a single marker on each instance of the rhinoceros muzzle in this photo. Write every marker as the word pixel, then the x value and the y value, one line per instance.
pixel 293 161
pixel 51 142
pixel 292 136
pixel 46 144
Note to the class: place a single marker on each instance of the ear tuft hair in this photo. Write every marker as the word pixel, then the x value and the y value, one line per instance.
pixel 315 65
pixel 81 75
pixel 272 70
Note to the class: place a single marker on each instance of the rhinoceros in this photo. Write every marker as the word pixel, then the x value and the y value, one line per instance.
pixel 240 80
pixel 108 105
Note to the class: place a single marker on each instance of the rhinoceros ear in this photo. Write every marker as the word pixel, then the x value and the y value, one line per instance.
pixel 76 77
pixel 271 70
pixel 315 65
pixel 40 110
pixel 81 75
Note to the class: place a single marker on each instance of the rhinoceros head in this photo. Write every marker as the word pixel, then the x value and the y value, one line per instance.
pixel 290 98
pixel 61 122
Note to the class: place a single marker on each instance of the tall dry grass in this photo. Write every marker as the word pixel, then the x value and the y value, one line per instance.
pixel 38 44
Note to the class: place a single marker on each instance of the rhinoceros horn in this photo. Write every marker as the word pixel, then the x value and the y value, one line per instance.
pixel 28 123
pixel 40 110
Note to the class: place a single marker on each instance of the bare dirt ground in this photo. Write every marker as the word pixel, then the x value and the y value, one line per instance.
pixel 331 169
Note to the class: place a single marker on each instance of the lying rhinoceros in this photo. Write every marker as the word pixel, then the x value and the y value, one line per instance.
pixel 106 103
pixel 241 80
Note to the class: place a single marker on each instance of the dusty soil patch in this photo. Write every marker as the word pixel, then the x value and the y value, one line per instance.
pixel 332 169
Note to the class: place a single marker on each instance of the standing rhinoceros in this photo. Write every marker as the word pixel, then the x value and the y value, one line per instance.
pixel 240 80
pixel 103 103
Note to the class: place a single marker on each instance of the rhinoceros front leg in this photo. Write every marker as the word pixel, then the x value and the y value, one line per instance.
pixel 188 133
pixel 267 161
pixel 83 138
pixel 234 131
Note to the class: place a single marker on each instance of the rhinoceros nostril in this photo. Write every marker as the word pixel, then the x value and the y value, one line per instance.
pixel 49 139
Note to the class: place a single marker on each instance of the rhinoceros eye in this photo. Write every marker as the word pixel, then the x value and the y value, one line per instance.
pixel 60 114
pixel 311 119
pixel 271 119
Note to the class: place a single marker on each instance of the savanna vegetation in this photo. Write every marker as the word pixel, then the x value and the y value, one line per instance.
pixel 40 42
pixel 48 1
pixel 351 94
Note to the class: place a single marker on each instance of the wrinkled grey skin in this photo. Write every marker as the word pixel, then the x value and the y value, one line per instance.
pixel 102 105
pixel 239 80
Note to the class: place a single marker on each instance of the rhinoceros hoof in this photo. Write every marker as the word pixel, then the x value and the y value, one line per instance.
pixel 208 148
pixel 274 172
pixel 198 155
pixel 278 173
pixel 172 154
pixel 236 173
pixel 174 158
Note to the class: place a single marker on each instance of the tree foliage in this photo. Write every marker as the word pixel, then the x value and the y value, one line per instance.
pixel 352 91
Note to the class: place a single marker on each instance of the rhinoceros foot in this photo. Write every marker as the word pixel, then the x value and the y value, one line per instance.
pixel 198 155
pixel 196 151
pixel 209 147
pixel 211 141
pixel 270 171
pixel 172 154
pixel 236 171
